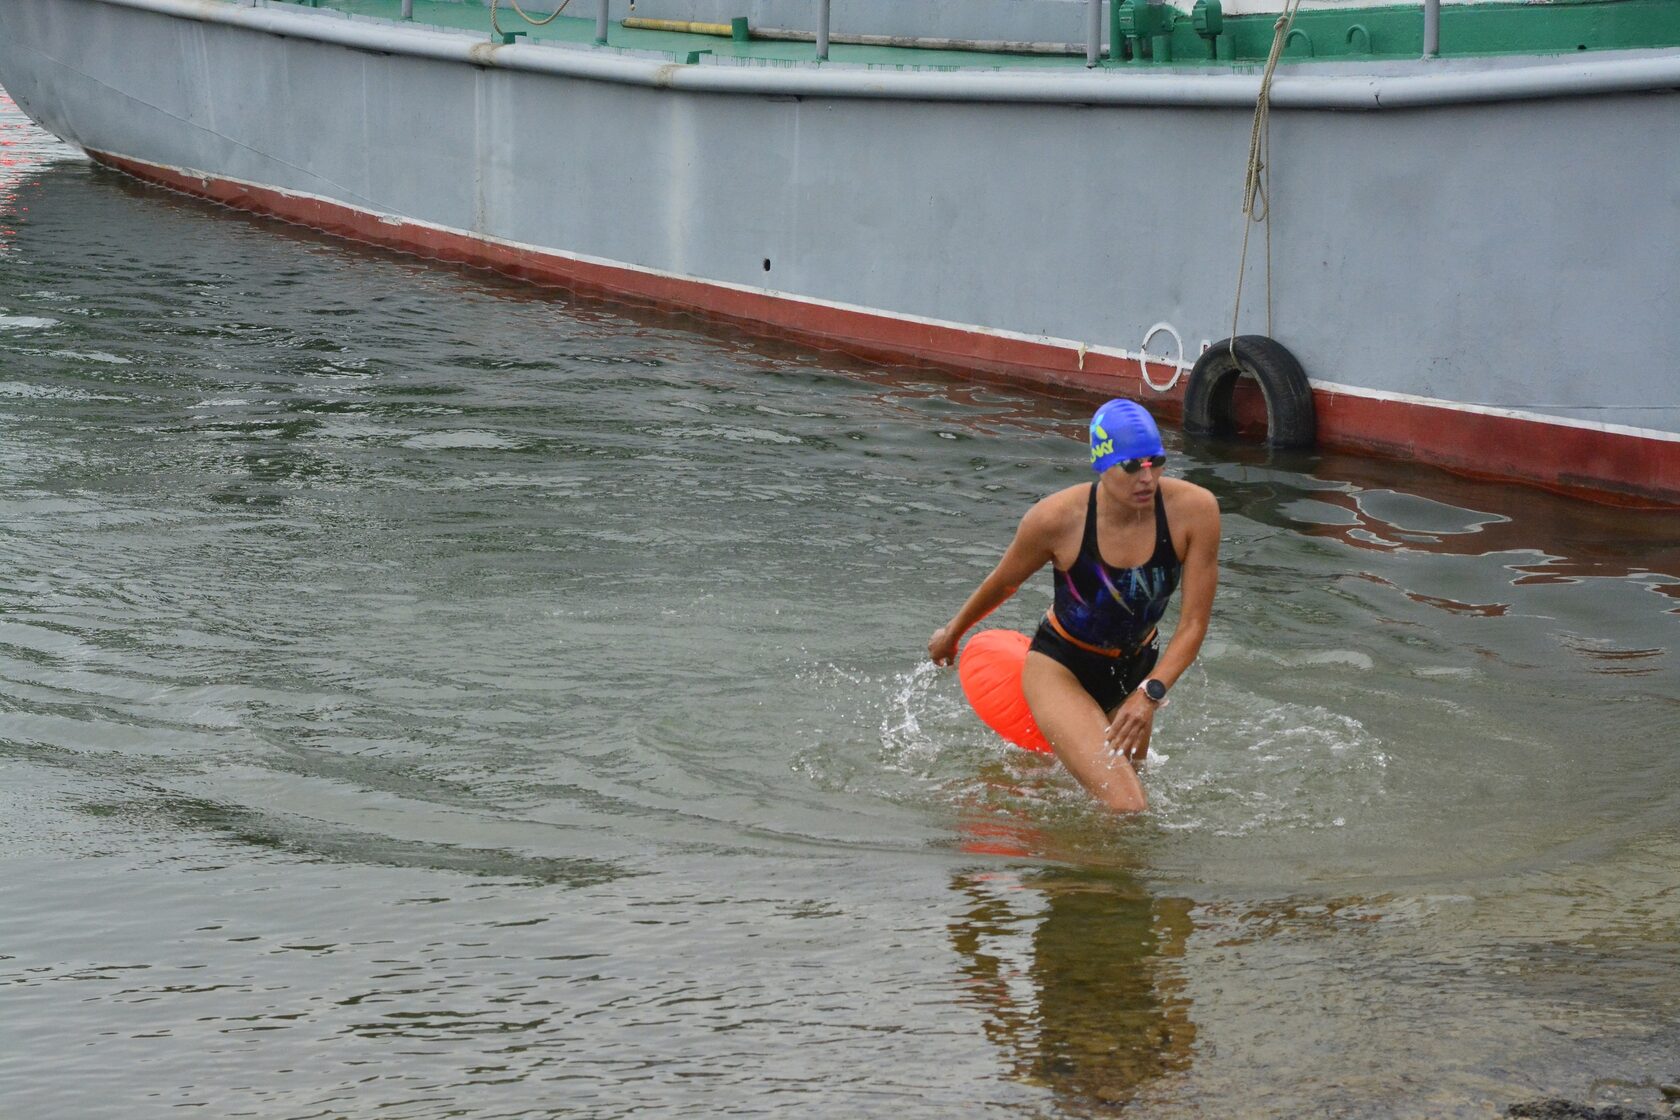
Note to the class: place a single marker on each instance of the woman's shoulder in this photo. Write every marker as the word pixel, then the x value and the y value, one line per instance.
pixel 1186 500
pixel 1069 501
pixel 1061 509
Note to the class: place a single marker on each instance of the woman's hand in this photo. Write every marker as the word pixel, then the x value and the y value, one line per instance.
pixel 942 647
pixel 1128 732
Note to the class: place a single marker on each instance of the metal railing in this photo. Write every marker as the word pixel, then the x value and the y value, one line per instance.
pixel 1093 30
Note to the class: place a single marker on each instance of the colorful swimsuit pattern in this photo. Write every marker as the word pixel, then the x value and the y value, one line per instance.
pixel 1111 608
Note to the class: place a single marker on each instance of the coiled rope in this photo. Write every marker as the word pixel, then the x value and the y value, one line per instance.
pixel 1257 184
pixel 496 28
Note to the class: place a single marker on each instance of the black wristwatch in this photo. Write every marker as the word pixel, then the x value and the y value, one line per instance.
pixel 1155 690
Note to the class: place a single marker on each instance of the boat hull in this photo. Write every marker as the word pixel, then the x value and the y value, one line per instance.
pixel 1487 286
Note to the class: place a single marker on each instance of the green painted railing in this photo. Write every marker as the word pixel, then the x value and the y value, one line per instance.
pixel 1142 33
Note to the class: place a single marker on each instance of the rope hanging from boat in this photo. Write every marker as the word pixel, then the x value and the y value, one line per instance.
pixel 1257 183
pixel 496 28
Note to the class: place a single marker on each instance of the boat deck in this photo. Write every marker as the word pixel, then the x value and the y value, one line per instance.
pixel 679 46
pixel 1488 30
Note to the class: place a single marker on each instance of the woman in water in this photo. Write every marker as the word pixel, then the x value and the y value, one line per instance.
pixel 1120 546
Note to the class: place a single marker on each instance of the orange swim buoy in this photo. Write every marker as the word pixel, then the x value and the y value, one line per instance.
pixel 989 668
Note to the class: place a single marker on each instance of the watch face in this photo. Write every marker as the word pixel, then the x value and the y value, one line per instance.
pixel 1154 689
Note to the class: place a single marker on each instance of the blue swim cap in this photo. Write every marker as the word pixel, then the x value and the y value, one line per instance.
pixel 1123 430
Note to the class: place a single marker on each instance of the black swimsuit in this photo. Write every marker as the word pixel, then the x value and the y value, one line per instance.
pixel 1113 611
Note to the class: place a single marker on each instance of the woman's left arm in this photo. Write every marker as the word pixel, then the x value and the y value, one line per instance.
pixel 1201 578
pixel 1129 731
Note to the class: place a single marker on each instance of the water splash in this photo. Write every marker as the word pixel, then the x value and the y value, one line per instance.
pixel 1241 763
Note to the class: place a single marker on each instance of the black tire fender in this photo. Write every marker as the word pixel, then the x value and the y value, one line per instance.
pixel 1290 418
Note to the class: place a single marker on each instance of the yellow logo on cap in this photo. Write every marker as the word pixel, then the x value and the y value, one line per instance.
pixel 1098 450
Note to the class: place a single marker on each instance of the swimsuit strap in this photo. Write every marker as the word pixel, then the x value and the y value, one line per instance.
pixel 1088 542
pixel 1164 553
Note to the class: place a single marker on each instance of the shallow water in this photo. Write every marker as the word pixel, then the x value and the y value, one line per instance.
pixel 423 696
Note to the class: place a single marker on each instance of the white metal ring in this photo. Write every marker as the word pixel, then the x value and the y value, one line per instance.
pixel 1177 363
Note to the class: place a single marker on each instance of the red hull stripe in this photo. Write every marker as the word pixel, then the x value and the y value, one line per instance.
pixel 1617 467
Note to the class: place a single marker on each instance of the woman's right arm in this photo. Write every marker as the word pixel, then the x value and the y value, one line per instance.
pixel 1032 548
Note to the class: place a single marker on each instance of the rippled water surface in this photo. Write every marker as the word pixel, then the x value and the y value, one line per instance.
pixel 422 696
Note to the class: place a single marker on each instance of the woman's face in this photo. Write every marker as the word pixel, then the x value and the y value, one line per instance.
pixel 1136 489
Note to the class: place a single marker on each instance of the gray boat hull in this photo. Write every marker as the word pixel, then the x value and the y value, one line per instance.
pixel 1484 281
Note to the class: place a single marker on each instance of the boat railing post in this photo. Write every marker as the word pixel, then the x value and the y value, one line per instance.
pixel 1093 33
pixel 601 21
pixel 824 10
pixel 1431 28
pixel 408 9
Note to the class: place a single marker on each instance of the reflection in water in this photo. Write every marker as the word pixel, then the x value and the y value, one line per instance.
pixel 1376 505
pixel 1079 976
pixel 1479 610
pixel 1378 508
pixel 17 137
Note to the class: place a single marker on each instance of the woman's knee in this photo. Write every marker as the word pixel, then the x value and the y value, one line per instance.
pixel 1076 728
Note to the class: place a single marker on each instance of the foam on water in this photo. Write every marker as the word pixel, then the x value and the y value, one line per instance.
pixel 443 441
pixel 1224 762
pixel 1236 763
pixel 22 391
pixel 26 322
pixel 97 356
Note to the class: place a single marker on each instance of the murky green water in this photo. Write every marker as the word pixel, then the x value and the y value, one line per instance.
pixel 424 697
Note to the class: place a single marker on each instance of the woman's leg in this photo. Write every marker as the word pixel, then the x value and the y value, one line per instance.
pixel 1075 726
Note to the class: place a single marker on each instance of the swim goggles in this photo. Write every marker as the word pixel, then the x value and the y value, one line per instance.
pixel 1132 466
